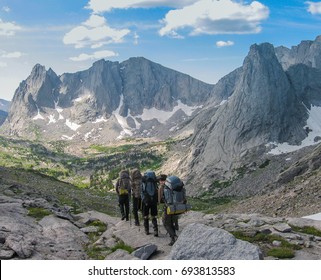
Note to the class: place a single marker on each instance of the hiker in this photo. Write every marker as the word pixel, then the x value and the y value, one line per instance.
pixel 174 204
pixel 123 189
pixel 136 178
pixel 161 180
pixel 149 197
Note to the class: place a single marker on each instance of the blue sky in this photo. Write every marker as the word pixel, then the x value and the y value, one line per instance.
pixel 206 39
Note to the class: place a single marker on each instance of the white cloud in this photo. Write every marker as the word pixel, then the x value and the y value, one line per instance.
pixel 6 9
pixel 8 28
pixel 94 33
pixel 314 7
pixel 100 6
pixel 11 54
pixel 221 44
pixel 95 55
pixel 216 17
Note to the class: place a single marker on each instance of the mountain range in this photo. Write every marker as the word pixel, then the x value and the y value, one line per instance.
pixel 111 100
pixel 269 105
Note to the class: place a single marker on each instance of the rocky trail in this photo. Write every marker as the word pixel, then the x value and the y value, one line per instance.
pixel 94 235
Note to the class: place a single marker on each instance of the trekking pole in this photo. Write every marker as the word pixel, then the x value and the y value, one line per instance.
pixel 130 213
pixel 159 220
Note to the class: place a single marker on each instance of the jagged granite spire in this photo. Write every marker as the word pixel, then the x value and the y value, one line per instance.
pixel 263 108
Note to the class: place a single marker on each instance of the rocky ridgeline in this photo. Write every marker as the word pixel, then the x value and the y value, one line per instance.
pixel 94 235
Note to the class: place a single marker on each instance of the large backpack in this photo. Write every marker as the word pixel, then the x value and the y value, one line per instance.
pixel 124 183
pixel 149 187
pixel 175 196
pixel 136 177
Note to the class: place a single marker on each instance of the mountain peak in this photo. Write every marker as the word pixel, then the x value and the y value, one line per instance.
pixel 263 51
pixel 318 39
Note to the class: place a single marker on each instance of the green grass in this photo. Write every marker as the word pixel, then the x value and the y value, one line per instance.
pixel 281 253
pixel 307 230
pixel 220 184
pixel 264 241
pixel 112 149
pixel 99 224
pixel 208 205
pixel 96 253
pixel 38 213
pixel 91 171
pixel 123 246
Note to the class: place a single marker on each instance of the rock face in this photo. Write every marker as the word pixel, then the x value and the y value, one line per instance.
pixel 256 105
pixel 200 242
pixel 125 98
pixel 307 52
pixel 23 238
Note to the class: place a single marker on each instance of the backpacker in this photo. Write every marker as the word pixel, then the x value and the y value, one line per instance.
pixel 175 196
pixel 149 187
pixel 124 183
pixel 136 177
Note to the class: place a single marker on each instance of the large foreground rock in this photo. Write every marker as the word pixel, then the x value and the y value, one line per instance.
pixel 201 242
pixel 23 237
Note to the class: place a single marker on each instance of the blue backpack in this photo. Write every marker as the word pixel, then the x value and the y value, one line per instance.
pixel 149 187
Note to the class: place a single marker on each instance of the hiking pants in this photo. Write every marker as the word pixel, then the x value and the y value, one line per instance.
pixel 150 208
pixel 124 206
pixel 169 223
pixel 136 207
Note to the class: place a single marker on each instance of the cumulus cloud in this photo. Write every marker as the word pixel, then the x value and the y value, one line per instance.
pixel 8 28
pixel 215 17
pixel 314 7
pixel 221 44
pixel 94 56
pixel 100 6
pixel 94 33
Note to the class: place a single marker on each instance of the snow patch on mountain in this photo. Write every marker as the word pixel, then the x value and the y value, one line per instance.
pixel 38 116
pixel 163 116
pixel 72 125
pixel 52 119
pixel 313 129
pixel 122 120
pixel 99 120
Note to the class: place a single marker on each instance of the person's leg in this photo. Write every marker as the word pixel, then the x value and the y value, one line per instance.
pixel 154 218
pixel 135 210
pixel 168 224
pixel 126 204
pixel 146 218
pixel 121 207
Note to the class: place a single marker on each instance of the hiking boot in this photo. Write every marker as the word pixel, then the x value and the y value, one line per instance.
pixel 123 218
pixel 173 239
